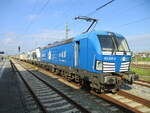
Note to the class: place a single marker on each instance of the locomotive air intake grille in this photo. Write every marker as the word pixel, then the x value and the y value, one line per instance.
pixel 124 66
pixel 108 67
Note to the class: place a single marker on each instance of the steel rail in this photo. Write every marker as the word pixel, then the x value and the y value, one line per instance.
pixel 82 109
pixel 134 98
pixel 145 81
pixel 142 84
pixel 30 89
pixel 117 102
pixel 121 104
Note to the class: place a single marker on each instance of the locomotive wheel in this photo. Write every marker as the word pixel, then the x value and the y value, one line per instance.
pixel 69 77
pixel 77 79
pixel 72 76
pixel 86 84
pixel 56 71
pixel 114 91
pixel 131 80
pixel 98 91
pixel 66 75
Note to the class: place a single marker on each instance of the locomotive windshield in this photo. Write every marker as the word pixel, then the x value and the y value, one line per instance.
pixel 122 44
pixel 106 43
pixel 110 43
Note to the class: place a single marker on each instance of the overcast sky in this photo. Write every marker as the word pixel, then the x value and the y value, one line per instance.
pixel 34 23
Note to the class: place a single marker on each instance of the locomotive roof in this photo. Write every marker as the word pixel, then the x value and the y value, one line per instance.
pixel 57 43
pixel 78 37
pixel 81 36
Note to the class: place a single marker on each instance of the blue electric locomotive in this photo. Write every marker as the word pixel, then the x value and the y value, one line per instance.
pixel 98 59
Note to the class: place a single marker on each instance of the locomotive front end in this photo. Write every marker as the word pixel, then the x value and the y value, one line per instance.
pixel 114 61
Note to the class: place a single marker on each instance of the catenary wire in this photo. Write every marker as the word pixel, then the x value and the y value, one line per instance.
pixel 38 13
pixel 91 13
pixel 136 21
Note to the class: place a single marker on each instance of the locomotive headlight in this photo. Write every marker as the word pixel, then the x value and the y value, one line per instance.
pixel 98 65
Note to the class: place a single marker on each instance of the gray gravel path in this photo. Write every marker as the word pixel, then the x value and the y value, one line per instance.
pixel 10 96
pixel 137 90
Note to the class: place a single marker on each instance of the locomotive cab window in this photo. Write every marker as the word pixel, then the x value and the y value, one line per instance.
pixel 113 43
pixel 122 44
pixel 106 43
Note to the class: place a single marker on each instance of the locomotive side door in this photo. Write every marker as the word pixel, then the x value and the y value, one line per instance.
pixel 76 54
pixel 81 54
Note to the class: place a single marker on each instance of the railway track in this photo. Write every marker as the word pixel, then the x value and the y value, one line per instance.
pixel 127 101
pixel 135 98
pixel 30 104
pixel 142 66
pixel 143 83
pixel 48 98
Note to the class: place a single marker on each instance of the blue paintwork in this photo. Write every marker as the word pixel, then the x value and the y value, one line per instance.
pixel 62 55
pixel 90 51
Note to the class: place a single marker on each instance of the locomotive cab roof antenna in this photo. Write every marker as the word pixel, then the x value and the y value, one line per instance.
pixel 88 19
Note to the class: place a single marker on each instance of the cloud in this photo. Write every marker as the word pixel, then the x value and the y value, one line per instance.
pixel 139 42
pixel 11 41
pixel 32 17
pixel 46 37
pixel 10 34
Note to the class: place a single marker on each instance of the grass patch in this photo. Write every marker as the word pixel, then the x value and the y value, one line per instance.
pixel 141 59
pixel 144 74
